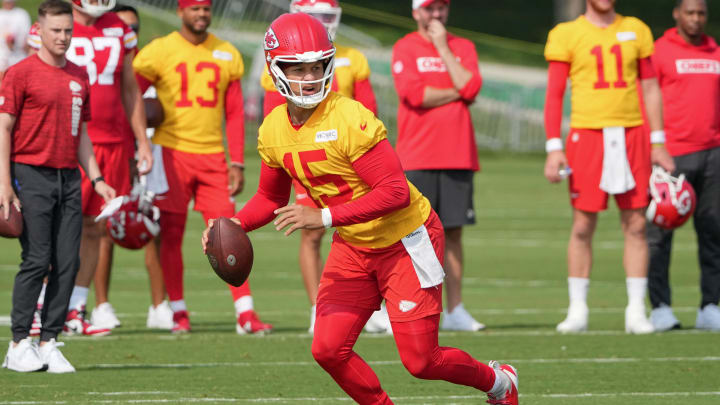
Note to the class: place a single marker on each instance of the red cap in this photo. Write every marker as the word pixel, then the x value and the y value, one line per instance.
pixel 416 4
pixel 190 3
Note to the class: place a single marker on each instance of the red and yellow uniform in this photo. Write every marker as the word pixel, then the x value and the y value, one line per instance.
pixel 604 66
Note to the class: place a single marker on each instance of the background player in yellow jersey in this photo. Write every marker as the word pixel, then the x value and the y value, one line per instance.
pixel 605 55
pixel 197 77
pixel 389 242
pixel 351 79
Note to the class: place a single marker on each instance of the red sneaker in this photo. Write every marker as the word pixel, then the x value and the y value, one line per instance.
pixel 510 397
pixel 181 322
pixel 248 322
pixel 75 324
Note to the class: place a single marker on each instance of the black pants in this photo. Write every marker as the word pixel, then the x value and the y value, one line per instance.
pixel 51 206
pixel 702 169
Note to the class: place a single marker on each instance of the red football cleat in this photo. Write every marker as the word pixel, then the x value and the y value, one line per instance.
pixel 248 322
pixel 181 322
pixel 75 324
pixel 510 397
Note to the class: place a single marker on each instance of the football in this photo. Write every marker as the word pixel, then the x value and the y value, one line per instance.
pixel 229 251
pixel 13 227
pixel 154 112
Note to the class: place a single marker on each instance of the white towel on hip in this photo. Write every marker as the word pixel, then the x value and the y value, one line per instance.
pixel 426 263
pixel 616 177
pixel 156 180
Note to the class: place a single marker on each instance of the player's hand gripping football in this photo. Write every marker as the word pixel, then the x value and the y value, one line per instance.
pixel 7 197
pixel 661 157
pixel 437 33
pixel 555 161
pixel 297 217
pixel 236 176
pixel 206 232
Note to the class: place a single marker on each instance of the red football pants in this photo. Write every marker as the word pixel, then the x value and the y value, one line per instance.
pixel 337 328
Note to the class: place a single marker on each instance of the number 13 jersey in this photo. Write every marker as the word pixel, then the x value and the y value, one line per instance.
pixel 603 69
pixel 320 155
pixel 191 82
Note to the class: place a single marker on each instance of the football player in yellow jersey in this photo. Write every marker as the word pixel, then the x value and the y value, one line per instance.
pixel 197 77
pixel 351 79
pixel 389 243
pixel 605 55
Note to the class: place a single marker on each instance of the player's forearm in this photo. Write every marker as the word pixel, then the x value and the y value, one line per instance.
pixel 652 96
pixel 273 192
pixel 435 97
pixel 557 81
pixel 235 123
pixel 86 156
pixel 458 74
pixel 5 148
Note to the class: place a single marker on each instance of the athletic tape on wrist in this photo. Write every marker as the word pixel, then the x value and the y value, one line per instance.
pixel 326 217
pixel 657 137
pixel 553 144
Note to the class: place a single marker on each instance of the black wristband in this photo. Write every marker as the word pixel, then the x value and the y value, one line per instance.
pixel 96 180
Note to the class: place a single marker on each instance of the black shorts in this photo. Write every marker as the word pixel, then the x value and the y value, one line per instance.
pixel 450 193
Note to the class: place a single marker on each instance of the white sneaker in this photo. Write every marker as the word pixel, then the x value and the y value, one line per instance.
pixel 663 319
pixel 379 322
pixel 160 317
pixel 24 357
pixel 636 322
pixel 460 319
pixel 54 359
pixel 311 329
pixel 103 316
pixel 576 320
pixel 708 318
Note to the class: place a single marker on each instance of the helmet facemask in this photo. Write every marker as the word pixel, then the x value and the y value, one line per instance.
pixel 283 84
pixel 94 10
pixel 328 15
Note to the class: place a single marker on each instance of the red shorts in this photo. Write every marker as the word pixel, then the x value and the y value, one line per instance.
pixel 114 161
pixel 302 197
pixel 362 277
pixel 203 177
pixel 585 157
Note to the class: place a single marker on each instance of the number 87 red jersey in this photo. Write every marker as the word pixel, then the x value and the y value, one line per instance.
pixel 100 49
pixel 603 69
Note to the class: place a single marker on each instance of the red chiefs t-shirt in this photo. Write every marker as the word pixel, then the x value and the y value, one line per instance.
pixel 49 105
pixel 440 137
pixel 689 77
pixel 101 49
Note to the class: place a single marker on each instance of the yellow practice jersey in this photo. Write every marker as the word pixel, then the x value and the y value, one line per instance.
pixel 603 69
pixel 350 66
pixel 320 155
pixel 191 81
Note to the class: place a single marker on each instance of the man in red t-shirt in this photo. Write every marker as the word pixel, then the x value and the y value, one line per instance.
pixel 44 103
pixel 688 67
pixel 437 78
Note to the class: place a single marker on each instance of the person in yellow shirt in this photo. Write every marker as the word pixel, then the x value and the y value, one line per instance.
pixel 197 77
pixel 351 79
pixel 608 153
pixel 389 243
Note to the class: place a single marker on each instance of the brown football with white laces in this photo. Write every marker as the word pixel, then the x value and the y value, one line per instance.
pixel 13 226
pixel 229 251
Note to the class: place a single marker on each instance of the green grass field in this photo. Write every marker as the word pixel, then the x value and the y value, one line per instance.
pixel 515 283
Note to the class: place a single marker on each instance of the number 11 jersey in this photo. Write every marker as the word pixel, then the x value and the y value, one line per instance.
pixel 603 69
pixel 191 82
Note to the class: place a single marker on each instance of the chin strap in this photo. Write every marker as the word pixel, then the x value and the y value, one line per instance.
pixel 659 175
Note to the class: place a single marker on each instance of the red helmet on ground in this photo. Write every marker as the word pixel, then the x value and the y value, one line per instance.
pixel 135 222
pixel 327 11
pixel 94 10
pixel 672 199
pixel 299 38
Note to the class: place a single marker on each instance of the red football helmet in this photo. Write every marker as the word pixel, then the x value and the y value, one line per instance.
pixel 299 38
pixel 672 199
pixel 327 11
pixel 94 10
pixel 135 222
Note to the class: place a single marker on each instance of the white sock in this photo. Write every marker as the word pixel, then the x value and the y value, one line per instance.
pixel 577 290
pixel 178 305
pixel 41 297
pixel 501 385
pixel 636 288
pixel 78 299
pixel 243 304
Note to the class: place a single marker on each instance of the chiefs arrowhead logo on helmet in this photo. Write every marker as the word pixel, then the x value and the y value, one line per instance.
pixel 271 41
pixel 135 222
pixel 672 199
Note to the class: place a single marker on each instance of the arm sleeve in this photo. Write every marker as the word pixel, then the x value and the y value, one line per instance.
pixel 235 122
pixel 364 94
pixel 408 83
pixel 557 81
pixel 271 100
pixel 646 69
pixel 472 87
pixel 273 192
pixel 380 169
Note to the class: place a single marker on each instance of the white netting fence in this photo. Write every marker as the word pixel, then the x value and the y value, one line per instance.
pixel 508 114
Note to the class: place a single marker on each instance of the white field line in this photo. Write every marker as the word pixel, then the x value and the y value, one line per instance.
pixel 444 399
